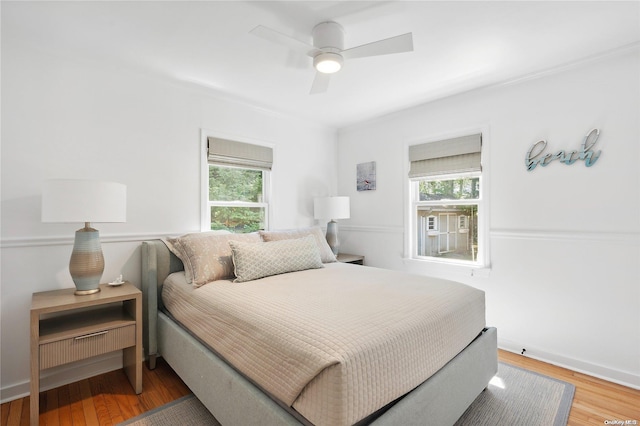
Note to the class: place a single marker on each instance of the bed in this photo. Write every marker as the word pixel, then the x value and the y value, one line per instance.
pixel 268 380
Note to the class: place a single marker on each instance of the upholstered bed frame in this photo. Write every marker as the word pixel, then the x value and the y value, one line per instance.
pixel 234 400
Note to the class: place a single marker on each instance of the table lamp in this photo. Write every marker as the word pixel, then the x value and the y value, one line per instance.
pixel 332 208
pixel 76 200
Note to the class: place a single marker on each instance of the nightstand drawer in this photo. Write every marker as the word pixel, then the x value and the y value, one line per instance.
pixel 86 345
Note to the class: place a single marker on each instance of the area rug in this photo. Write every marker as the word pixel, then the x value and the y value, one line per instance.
pixel 519 397
pixel 514 397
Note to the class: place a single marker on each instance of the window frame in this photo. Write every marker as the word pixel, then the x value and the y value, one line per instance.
pixel 417 203
pixel 206 204
pixel 442 266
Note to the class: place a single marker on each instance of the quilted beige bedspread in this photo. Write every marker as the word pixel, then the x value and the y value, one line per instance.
pixel 336 343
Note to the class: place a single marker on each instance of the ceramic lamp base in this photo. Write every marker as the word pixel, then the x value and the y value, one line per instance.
pixel 332 237
pixel 87 262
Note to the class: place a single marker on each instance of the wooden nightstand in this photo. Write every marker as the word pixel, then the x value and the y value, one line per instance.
pixel 67 328
pixel 356 259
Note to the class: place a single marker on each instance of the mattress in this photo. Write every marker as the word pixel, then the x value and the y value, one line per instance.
pixel 337 343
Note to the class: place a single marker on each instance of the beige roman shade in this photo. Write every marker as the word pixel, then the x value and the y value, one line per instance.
pixel 232 153
pixel 449 156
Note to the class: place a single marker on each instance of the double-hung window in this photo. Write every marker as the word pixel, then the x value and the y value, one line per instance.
pixel 237 199
pixel 446 200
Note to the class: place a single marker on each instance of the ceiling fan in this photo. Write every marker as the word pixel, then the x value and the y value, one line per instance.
pixel 328 51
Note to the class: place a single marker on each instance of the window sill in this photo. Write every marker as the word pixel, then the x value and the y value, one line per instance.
pixel 443 269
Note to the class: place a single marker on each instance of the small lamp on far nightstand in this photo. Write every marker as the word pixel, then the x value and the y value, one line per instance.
pixel 75 200
pixel 332 208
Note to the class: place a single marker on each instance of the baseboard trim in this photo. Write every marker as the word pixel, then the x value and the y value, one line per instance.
pixel 65 374
pixel 623 378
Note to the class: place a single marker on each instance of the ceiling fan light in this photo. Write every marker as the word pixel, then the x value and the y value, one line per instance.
pixel 327 62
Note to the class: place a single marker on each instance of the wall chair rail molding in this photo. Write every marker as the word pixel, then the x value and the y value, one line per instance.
pixel 623 238
pixel 373 229
pixel 17 242
pixel 535 155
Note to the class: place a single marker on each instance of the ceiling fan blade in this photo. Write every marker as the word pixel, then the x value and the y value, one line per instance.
pixel 397 44
pixel 284 40
pixel 320 83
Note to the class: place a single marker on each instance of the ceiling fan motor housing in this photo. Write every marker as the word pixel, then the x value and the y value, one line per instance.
pixel 329 37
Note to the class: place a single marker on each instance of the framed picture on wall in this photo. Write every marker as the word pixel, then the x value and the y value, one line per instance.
pixel 366 176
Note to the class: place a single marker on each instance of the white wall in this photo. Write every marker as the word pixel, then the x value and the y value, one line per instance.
pixel 564 240
pixel 69 118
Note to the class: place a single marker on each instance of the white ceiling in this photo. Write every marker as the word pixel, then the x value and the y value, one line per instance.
pixel 457 45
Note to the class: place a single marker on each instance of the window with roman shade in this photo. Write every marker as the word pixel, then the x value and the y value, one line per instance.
pixel 445 180
pixel 224 152
pixel 237 199
pixel 450 156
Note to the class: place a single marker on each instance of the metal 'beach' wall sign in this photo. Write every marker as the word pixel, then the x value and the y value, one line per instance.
pixel 535 154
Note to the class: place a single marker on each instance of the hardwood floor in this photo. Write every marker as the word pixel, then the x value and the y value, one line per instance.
pixel 108 399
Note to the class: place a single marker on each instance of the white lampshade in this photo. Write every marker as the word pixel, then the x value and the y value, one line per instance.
pixel 331 208
pixel 76 200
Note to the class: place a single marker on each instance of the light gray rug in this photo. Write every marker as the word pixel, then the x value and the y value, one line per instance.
pixel 187 410
pixel 520 397
pixel 514 397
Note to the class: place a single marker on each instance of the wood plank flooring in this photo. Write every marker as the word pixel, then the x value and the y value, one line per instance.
pixel 108 399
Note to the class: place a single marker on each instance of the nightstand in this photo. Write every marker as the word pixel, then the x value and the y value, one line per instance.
pixel 355 259
pixel 67 328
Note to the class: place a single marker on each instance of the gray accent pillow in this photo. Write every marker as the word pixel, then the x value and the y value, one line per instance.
pixel 325 251
pixel 258 260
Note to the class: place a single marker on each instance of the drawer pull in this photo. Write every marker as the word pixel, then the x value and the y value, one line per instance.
pixel 99 333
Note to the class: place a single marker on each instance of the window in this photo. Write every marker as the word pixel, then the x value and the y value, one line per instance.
pixel 237 183
pixel 446 203
pixel 432 223
pixel 463 223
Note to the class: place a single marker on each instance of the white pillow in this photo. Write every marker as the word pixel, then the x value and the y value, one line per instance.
pixel 258 260
pixel 326 254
